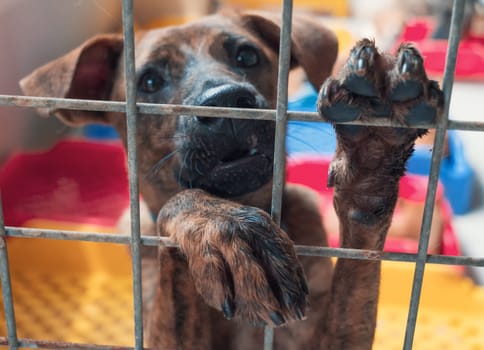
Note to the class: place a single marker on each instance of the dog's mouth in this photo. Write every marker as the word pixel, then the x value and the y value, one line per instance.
pixel 238 158
pixel 240 162
pixel 235 173
pixel 226 157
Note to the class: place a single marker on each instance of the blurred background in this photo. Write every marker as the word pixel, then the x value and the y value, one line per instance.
pixel 34 32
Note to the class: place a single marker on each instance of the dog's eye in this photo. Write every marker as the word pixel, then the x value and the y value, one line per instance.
pixel 247 57
pixel 150 82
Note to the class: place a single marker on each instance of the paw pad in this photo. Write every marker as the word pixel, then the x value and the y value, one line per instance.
pixel 421 114
pixel 361 62
pixel 408 75
pixel 341 112
pixel 379 85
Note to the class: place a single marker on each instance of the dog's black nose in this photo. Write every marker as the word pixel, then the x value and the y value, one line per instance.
pixel 228 95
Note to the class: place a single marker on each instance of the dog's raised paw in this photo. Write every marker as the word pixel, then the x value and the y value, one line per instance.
pixel 370 160
pixel 241 262
pixel 372 84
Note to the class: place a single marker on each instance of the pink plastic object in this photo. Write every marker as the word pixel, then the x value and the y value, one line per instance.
pixel 470 58
pixel 76 182
pixel 86 183
pixel 312 171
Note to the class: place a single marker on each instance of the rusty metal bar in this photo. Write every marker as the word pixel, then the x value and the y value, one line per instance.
pixel 211 112
pixel 7 286
pixel 131 117
pixel 361 254
pixel 465 125
pixel 281 126
pixel 438 151
pixel 280 115
pixel 49 344
pixel 281 111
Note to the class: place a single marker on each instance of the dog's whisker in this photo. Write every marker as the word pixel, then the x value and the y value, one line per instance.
pixel 191 163
pixel 198 170
pixel 157 166
pixel 103 9
pixel 194 164
pixel 178 137
pixel 183 165
pixel 304 142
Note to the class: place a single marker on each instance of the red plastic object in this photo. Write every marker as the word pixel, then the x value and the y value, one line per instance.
pixel 470 58
pixel 312 171
pixel 86 183
pixel 75 181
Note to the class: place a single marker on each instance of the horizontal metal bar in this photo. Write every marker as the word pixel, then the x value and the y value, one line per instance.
pixel 62 103
pixel 142 108
pixel 20 232
pixel 214 112
pixel 49 344
pixel 362 254
pixel 465 125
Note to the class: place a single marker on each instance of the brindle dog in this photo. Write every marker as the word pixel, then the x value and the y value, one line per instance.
pixel 209 179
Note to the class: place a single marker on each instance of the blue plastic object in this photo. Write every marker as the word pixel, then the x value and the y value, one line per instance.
pixel 100 132
pixel 319 138
pixel 308 137
pixel 456 174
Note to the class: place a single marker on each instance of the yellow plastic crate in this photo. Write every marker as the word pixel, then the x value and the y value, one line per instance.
pixel 451 313
pixel 331 7
pixel 71 291
pixel 339 8
pixel 82 292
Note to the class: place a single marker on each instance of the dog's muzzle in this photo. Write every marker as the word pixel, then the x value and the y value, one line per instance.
pixel 224 156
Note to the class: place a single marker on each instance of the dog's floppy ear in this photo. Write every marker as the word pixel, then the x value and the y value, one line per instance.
pixel 314 47
pixel 87 72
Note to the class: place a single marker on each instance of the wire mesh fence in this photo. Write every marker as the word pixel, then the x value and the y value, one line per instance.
pixel 281 116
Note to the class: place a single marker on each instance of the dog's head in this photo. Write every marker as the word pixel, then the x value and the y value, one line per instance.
pixel 225 60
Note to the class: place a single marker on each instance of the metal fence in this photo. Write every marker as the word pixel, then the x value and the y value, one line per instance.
pixel 281 116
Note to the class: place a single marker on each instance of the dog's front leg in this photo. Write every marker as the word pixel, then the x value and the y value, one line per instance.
pixel 366 170
pixel 177 318
pixel 237 260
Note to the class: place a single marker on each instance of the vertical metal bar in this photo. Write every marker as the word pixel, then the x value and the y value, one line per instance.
pixel 281 113
pixel 280 138
pixel 129 61
pixel 438 150
pixel 7 286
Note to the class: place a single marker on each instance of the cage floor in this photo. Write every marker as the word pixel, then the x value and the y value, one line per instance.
pixel 451 312
pixel 80 309
pixel 71 291
pixel 82 292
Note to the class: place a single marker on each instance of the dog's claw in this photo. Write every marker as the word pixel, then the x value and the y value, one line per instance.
pixel 300 313
pixel 360 64
pixel 404 68
pixel 228 309
pixel 330 182
pixel 406 82
pixel 304 286
pixel 324 90
pixel 277 318
pixel 359 78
